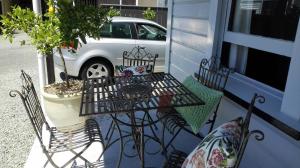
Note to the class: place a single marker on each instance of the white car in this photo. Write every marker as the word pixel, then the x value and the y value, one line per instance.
pixel 98 57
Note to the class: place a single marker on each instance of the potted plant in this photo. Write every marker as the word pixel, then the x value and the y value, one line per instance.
pixel 61 26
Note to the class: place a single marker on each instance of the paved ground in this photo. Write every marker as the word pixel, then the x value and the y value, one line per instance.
pixel 16 133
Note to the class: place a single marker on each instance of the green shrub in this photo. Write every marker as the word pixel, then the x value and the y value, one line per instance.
pixel 149 14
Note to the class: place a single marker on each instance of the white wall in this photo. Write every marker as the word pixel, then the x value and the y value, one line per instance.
pixel 191 25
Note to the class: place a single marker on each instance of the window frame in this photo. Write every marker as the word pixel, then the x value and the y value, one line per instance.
pixel 243 86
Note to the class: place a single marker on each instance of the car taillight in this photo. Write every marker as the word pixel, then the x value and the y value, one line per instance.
pixel 73 45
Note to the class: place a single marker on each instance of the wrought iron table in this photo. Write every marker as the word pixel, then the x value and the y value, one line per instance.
pixel 116 95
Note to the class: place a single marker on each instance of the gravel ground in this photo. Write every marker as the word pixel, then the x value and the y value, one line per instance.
pixel 16 132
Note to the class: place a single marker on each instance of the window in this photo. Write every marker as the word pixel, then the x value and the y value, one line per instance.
pixel 121 30
pixel 269 18
pixel 109 2
pixel 150 32
pixel 116 30
pixel 106 30
pixel 128 2
pixel 256 29
pixel 268 68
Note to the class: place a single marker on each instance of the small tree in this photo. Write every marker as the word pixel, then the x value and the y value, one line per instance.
pixel 60 26
pixel 149 14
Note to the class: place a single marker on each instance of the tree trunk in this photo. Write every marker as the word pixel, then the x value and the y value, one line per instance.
pixel 50 68
pixel 65 68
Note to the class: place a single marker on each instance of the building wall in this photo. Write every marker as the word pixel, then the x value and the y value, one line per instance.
pixel 190 28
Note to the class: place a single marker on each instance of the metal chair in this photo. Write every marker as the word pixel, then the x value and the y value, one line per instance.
pixel 62 139
pixel 136 57
pixel 210 74
pixel 139 56
pixel 176 158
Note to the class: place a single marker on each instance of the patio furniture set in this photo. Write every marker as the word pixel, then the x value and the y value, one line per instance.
pixel 137 90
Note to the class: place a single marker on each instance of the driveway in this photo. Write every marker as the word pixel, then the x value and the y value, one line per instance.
pixel 16 133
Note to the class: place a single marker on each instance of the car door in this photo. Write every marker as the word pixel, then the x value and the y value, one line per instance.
pixel 116 37
pixel 153 39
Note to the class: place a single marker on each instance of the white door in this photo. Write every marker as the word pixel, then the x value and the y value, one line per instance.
pixel 153 39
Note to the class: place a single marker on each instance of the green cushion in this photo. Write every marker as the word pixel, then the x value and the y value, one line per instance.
pixel 196 116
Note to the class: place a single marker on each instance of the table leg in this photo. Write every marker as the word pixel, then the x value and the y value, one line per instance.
pixel 142 145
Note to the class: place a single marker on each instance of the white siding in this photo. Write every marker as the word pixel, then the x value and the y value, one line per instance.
pixel 191 9
pixel 190 39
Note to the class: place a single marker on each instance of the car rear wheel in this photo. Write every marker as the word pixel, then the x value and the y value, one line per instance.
pixel 96 69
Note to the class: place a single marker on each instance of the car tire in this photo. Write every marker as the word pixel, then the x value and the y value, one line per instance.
pixel 96 68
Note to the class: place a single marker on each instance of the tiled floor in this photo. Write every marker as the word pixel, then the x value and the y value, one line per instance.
pixel 184 142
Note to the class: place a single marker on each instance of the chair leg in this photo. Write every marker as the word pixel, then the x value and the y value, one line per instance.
pixel 163 140
pixel 49 157
pixel 77 155
pixel 212 122
pixel 151 120
pixel 173 138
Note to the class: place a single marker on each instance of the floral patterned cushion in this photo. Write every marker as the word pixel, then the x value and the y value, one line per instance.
pixel 131 70
pixel 218 149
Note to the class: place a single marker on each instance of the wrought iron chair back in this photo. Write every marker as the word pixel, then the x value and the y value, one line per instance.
pixel 32 104
pixel 212 74
pixel 139 56
pixel 259 135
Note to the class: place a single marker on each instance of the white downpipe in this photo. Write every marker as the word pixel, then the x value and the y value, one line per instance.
pixel 42 70
pixel 37 6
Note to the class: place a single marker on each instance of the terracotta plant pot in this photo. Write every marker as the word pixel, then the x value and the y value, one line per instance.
pixel 63 110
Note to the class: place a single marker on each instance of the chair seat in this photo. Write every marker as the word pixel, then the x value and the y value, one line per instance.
pixel 64 139
pixel 172 119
